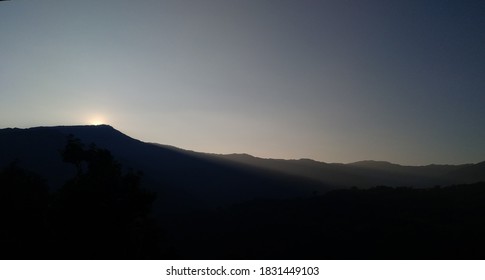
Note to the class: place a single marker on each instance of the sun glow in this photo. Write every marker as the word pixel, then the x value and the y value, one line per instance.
pixel 97 120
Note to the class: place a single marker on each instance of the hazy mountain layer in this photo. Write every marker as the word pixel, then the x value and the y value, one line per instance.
pixel 369 173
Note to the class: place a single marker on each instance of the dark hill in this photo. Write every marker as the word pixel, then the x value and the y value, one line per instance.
pixel 368 173
pixel 182 179
pixel 468 174
pixel 185 179
pixel 226 206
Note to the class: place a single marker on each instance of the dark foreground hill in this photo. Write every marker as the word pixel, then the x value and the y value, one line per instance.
pixel 76 201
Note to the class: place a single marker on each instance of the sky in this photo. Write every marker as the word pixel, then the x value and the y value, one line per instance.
pixel 334 81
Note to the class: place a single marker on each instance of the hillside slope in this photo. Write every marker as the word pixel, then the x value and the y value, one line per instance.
pixel 183 180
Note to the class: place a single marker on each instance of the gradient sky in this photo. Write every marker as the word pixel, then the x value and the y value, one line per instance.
pixel 335 81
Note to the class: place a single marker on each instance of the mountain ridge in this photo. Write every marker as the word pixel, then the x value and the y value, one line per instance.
pixel 154 157
pixel 183 180
pixel 364 162
pixel 211 205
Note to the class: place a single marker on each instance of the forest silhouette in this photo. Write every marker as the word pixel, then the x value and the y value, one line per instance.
pixel 102 212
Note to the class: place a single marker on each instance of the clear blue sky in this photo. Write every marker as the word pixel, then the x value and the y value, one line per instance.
pixel 336 81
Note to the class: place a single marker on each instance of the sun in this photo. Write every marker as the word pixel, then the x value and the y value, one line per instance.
pixel 97 120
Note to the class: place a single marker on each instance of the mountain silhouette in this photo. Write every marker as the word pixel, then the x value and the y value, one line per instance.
pixel 184 179
pixel 368 173
pixel 187 180
pixel 223 178
pixel 80 190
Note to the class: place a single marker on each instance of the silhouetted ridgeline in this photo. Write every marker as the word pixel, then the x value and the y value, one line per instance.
pixel 194 180
pixel 218 179
pixel 368 173
pixel 193 205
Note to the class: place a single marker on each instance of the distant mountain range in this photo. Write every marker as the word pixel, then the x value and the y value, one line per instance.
pixel 368 173
pixel 188 180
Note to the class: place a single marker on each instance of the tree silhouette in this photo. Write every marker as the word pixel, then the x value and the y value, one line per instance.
pixel 102 212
